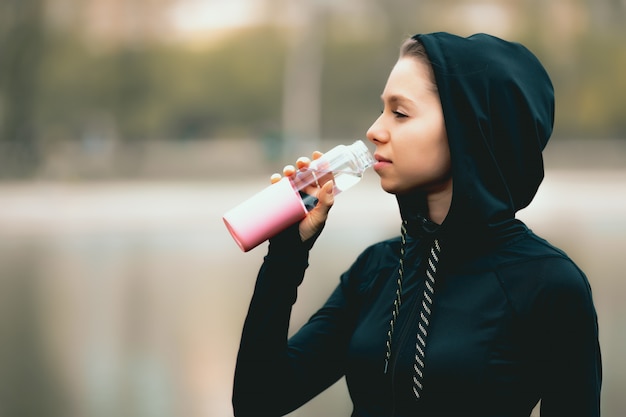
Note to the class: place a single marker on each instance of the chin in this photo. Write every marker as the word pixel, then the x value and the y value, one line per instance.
pixel 390 188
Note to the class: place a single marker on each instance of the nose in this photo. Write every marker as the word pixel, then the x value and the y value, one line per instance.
pixel 377 132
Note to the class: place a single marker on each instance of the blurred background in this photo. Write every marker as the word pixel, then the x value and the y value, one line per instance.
pixel 128 127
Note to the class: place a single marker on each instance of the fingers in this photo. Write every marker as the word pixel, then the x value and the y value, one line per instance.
pixel 288 171
pixel 275 178
pixel 315 220
pixel 301 163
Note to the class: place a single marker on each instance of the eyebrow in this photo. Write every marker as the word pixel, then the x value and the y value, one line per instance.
pixel 396 98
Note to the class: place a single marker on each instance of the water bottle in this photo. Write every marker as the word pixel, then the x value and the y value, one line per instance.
pixel 285 202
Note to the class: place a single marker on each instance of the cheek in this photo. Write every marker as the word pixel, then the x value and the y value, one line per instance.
pixel 444 148
pixel 443 151
pixel 428 158
pixel 429 148
pixel 444 168
pixel 437 145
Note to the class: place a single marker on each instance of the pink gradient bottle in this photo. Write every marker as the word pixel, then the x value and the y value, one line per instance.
pixel 284 203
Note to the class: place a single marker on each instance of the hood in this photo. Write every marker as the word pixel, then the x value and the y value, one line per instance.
pixel 498 105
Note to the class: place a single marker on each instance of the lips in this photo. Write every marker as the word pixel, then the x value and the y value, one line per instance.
pixel 380 158
pixel 382 162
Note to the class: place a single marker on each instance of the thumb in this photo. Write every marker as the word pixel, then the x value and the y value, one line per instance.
pixel 314 222
pixel 326 196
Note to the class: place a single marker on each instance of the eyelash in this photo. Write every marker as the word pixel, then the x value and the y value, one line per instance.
pixel 397 114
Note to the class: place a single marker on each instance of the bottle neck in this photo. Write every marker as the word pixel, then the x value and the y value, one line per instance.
pixel 362 155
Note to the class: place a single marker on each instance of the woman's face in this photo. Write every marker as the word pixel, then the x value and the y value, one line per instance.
pixel 410 135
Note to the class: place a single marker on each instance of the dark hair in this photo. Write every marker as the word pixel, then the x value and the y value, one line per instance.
pixel 413 48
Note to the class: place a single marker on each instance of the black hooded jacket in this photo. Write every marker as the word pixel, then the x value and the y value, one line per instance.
pixel 513 321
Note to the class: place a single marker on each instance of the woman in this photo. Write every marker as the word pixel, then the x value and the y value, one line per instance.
pixel 468 312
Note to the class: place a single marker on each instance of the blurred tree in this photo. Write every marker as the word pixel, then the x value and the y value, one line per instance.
pixel 59 81
pixel 591 90
pixel 302 80
pixel 21 34
pixel 164 91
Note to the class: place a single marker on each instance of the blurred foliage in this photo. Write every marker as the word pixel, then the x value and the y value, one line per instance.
pixel 21 35
pixel 58 85
pixel 162 91
pixel 592 100
pixel 351 95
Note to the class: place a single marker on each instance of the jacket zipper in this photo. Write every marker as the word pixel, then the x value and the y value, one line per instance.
pixel 399 345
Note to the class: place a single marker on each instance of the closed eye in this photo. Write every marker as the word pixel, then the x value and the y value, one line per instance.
pixel 399 115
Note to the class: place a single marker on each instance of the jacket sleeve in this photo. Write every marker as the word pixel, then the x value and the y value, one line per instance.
pixel 570 360
pixel 274 375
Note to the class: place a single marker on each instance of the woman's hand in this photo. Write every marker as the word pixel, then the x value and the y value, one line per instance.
pixel 314 222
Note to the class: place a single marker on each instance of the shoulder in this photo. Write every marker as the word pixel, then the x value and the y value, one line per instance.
pixel 535 259
pixel 380 253
pixel 537 275
pixel 373 266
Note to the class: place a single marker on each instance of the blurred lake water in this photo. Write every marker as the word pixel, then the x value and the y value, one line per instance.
pixel 128 298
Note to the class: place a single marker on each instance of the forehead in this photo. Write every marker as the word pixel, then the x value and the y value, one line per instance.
pixel 409 77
